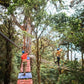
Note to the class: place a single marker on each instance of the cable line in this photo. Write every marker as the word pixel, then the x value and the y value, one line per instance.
pixel 9 39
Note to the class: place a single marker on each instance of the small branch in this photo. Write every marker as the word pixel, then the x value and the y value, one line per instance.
pixel 41 33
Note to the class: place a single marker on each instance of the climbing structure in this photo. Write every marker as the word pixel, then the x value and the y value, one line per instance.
pixel 27 79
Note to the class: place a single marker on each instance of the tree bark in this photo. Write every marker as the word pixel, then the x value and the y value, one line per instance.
pixel 28 39
pixel 8 62
pixel 53 54
pixel 82 60
pixel 38 61
pixel 68 51
pixel 71 52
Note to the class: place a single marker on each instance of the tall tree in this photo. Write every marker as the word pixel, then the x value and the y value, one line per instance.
pixel 33 14
pixel 7 25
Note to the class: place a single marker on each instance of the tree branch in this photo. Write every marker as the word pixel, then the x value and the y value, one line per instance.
pixel 42 32
pixel 17 23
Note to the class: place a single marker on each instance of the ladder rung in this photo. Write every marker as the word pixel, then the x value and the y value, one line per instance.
pixel 22 81
pixel 27 75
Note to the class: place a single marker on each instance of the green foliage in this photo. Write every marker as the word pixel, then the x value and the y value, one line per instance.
pixel 71 30
pixel 16 61
pixel 8 30
pixel 73 65
pixel 3 53
pixel 5 2
pixel 73 74
pixel 75 24
pixel 11 8
pixel 59 22
pixel 65 79
pixel 49 75
pixel 27 34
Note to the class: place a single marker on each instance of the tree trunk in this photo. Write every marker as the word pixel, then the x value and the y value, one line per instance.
pixel 38 62
pixel 8 62
pixel 28 43
pixel 63 54
pixel 68 52
pixel 24 43
pixel 53 55
pixel 71 52
pixel 28 39
pixel 82 60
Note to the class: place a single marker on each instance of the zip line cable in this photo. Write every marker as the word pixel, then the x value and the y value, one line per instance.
pixel 9 39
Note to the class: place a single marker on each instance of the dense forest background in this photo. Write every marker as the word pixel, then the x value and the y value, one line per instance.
pixel 48 24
